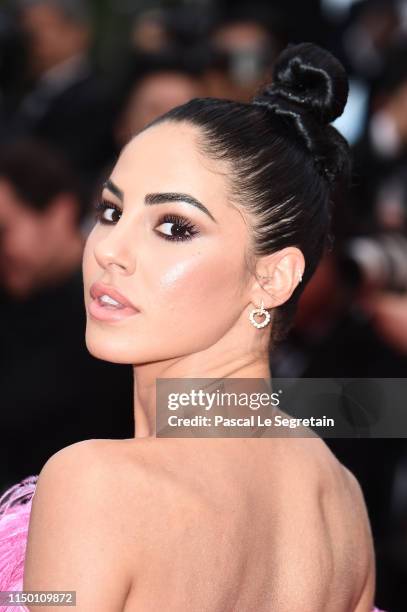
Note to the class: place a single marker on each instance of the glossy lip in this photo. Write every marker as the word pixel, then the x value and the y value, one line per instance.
pixel 98 289
pixel 103 312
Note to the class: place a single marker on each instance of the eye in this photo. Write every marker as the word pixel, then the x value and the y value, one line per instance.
pixel 177 228
pixel 107 212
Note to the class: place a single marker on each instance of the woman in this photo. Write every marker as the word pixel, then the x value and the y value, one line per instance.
pixel 214 212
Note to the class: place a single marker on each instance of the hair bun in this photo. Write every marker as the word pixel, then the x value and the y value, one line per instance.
pixel 309 90
pixel 312 77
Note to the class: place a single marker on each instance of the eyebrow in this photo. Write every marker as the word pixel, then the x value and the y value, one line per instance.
pixel 114 189
pixel 161 198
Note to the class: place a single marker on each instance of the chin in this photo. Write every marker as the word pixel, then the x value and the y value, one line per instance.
pixel 129 346
pixel 116 348
pixel 107 348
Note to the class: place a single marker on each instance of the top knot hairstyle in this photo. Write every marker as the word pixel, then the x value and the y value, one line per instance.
pixel 287 163
pixel 313 78
pixel 309 90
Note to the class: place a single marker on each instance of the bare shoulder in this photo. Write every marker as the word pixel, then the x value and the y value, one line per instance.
pixel 84 469
pixel 75 453
pixel 334 489
pixel 317 466
pixel 132 480
pixel 94 507
pixel 77 489
pixel 76 464
pixel 338 488
pixel 77 535
pixel 95 468
pixel 331 515
pixel 92 482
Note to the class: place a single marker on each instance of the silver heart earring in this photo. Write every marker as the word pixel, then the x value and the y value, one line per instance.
pixel 261 312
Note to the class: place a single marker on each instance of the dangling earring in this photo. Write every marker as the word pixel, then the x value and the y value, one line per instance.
pixel 300 277
pixel 260 311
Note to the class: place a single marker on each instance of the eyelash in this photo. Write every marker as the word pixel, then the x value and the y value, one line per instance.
pixel 177 220
pixel 101 207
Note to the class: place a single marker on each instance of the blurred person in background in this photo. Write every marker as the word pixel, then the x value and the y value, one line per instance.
pixel 149 32
pixel 379 195
pixel 374 27
pixel 40 206
pixel 170 30
pixel 66 102
pixel 243 45
pixel 66 395
pixel 236 45
pixel 160 84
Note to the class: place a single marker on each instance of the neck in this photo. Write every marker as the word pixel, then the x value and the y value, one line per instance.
pixel 214 362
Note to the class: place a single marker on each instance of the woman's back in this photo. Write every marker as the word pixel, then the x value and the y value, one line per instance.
pixel 242 524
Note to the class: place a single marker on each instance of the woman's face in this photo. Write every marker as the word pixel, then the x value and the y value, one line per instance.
pixel 169 241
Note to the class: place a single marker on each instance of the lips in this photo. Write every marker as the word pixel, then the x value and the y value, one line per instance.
pixel 108 304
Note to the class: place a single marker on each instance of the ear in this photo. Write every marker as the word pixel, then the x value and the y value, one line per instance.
pixel 62 212
pixel 277 276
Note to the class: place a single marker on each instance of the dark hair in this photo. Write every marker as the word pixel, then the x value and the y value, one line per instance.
pixel 38 174
pixel 286 160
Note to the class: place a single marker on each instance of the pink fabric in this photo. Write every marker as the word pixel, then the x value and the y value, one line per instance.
pixel 15 508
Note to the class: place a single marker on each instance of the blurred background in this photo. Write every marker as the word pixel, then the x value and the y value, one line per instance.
pixel 77 80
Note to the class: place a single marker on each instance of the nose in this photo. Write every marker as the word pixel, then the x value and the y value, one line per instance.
pixel 114 250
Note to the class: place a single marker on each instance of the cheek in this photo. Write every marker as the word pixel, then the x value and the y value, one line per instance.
pixel 189 298
pixel 197 289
